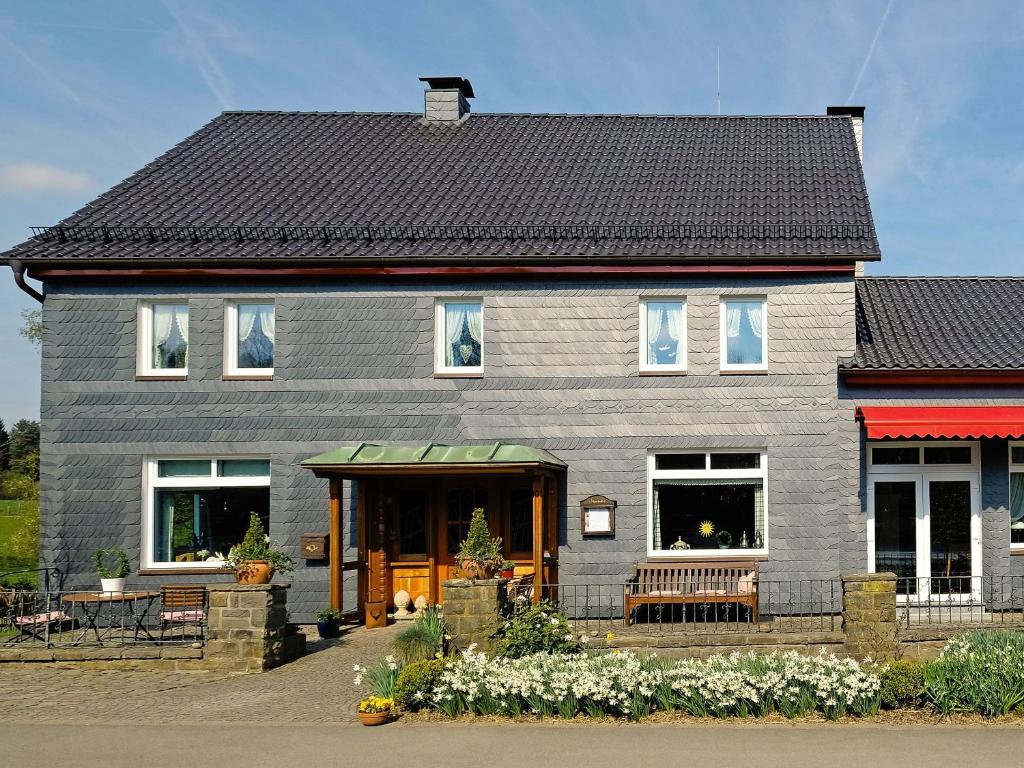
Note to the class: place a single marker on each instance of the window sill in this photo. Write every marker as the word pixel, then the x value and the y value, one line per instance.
pixel 458 375
pixel 161 376
pixel 662 371
pixel 1017 549
pixel 248 377
pixel 743 371
pixel 709 554
pixel 180 570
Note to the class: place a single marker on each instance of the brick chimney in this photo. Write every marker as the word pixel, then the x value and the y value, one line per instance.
pixel 445 100
pixel 856 115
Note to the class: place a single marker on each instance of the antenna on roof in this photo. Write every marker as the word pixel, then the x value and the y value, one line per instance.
pixel 718 79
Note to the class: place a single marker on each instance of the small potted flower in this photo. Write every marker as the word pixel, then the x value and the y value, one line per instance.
pixel 508 569
pixel 256 560
pixel 479 555
pixel 375 710
pixel 111 566
pixel 327 623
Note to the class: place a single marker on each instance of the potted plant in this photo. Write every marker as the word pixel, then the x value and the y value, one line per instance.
pixel 479 555
pixel 327 621
pixel 256 560
pixel 724 539
pixel 375 710
pixel 508 569
pixel 112 566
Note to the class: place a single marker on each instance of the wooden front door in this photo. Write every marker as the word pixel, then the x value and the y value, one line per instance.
pixel 456 500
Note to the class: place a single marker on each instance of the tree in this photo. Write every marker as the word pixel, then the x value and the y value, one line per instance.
pixel 5 448
pixel 32 327
pixel 24 448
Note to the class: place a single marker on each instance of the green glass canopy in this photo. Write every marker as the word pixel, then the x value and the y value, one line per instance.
pixel 366 457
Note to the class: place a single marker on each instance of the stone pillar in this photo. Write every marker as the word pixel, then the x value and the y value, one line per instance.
pixel 473 610
pixel 247 628
pixel 869 615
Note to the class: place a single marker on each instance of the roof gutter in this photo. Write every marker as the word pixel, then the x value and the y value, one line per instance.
pixel 19 278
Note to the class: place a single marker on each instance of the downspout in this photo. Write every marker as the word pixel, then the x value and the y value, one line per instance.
pixel 19 277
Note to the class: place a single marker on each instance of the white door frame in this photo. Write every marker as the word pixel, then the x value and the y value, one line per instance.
pixel 922 476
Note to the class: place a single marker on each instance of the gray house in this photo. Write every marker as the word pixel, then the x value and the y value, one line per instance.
pixel 627 338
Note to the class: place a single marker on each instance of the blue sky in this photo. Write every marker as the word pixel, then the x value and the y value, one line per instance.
pixel 92 91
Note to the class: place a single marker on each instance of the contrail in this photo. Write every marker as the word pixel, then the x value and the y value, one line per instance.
pixel 212 73
pixel 871 52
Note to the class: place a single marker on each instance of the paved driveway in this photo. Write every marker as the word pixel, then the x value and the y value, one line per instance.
pixel 315 689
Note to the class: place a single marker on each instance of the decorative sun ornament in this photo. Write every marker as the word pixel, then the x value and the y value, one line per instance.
pixel 706 529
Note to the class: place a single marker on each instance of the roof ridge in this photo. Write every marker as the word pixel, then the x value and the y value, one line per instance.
pixel 390 113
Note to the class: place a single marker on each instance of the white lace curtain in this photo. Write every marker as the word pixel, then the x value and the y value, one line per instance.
pixel 1016 497
pixel 733 315
pixel 665 317
pixel 166 318
pixel 455 319
pixel 247 314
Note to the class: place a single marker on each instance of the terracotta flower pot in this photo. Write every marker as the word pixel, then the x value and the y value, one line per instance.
pixel 471 569
pixel 508 573
pixel 254 572
pixel 374 718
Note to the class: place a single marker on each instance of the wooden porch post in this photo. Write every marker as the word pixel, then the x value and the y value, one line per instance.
pixel 538 537
pixel 334 539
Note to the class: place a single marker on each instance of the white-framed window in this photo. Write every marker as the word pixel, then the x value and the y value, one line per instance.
pixel 163 339
pixel 744 334
pixel 707 503
pixel 459 337
pixel 249 339
pixel 899 456
pixel 1017 496
pixel 663 335
pixel 196 508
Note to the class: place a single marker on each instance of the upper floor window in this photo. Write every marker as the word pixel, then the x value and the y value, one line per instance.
pixel 459 337
pixel 662 335
pixel 249 339
pixel 744 339
pixel 1017 495
pixel 163 339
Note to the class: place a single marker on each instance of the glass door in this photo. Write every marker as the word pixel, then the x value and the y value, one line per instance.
pixel 954 528
pixel 894 527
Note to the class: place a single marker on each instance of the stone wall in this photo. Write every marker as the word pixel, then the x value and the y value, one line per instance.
pixel 247 628
pixel 869 615
pixel 473 609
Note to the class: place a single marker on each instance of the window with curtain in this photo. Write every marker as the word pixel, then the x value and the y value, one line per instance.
pixel 743 334
pixel 253 334
pixel 663 334
pixel 166 332
pixel 1017 496
pixel 713 506
pixel 460 336
pixel 200 508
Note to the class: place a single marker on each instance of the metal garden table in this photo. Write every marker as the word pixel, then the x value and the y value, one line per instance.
pixel 133 606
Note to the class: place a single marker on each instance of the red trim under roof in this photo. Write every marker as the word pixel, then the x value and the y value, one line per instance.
pixel 942 421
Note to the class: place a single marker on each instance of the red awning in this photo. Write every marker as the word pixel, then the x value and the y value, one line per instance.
pixel 942 421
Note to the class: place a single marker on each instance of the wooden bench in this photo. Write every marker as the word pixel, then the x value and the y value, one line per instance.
pixel 693 581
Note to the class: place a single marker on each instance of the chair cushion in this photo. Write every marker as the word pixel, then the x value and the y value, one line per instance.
pixel 40 618
pixel 709 592
pixel 182 615
pixel 664 593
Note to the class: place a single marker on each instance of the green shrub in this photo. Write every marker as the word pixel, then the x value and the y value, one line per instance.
pixel 423 639
pixel 541 628
pixel 902 684
pixel 382 676
pixel 980 672
pixel 14 485
pixel 416 681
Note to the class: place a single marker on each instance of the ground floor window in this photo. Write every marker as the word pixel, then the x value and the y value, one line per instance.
pixel 197 509
pixel 704 502
pixel 1017 495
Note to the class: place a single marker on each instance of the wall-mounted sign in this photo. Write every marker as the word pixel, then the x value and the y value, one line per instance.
pixel 597 516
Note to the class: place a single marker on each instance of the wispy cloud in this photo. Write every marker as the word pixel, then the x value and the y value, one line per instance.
pixel 209 67
pixel 42 177
pixel 870 53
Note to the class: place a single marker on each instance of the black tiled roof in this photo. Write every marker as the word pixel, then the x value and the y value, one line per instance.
pixel 732 187
pixel 939 323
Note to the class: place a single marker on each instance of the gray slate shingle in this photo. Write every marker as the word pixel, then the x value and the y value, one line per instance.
pixel 317 169
pixel 939 323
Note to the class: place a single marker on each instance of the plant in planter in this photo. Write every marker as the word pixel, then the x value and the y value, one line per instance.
pixel 112 566
pixel 508 569
pixel 256 560
pixel 724 539
pixel 327 621
pixel 375 710
pixel 479 555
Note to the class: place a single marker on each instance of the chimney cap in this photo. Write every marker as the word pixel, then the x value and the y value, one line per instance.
pixel 462 84
pixel 845 112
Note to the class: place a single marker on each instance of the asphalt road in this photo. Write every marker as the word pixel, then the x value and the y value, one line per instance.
pixel 225 745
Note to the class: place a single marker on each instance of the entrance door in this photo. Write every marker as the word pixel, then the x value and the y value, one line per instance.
pixel 926 528
pixel 457 501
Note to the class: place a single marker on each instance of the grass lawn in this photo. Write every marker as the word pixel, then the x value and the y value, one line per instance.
pixel 15 552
